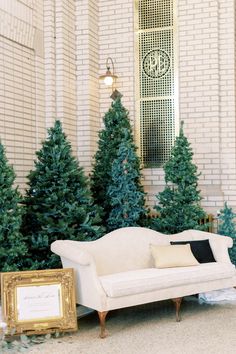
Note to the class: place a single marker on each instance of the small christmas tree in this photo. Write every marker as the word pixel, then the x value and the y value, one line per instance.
pixel 12 245
pixel 179 207
pixel 125 191
pixel 227 228
pixel 58 201
pixel 115 120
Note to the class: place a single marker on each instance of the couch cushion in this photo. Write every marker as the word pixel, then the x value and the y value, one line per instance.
pixel 201 250
pixel 173 256
pixel 150 279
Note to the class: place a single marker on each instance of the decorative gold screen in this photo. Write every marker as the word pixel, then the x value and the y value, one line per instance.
pixel 155 14
pixel 156 75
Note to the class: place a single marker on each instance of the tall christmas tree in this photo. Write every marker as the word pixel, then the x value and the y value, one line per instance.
pixel 115 120
pixel 59 205
pixel 227 228
pixel 125 192
pixel 179 203
pixel 12 245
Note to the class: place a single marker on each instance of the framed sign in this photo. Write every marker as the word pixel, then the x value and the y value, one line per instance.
pixel 39 301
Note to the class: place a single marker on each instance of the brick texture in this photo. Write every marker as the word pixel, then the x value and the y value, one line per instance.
pixel 52 52
pixel 21 81
pixel 207 94
pixel 87 65
pixel 60 65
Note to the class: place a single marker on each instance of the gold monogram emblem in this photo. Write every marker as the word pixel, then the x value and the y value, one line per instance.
pixel 156 63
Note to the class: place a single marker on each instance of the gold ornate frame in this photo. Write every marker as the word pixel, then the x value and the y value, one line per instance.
pixel 57 284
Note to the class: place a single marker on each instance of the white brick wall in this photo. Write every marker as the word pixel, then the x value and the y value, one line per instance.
pixel 65 57
pixel 227 98
pixel 87 64
pixel 207 93
pixel 22 79
pixel 60 65
pixel 50 61
pixel 16 22
pixel 199 88
pixel 206 86
pixel 116 40
pixel 52 53
pixel 37 76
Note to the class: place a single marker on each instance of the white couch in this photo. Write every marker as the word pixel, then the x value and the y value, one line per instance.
pixel 118 270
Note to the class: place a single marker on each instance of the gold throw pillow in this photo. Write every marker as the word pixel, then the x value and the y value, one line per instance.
pixel 173 256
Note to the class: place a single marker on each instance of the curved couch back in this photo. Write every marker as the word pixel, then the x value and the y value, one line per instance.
pixel 129 248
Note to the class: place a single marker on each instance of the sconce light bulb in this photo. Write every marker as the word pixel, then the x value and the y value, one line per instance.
pixel 108 80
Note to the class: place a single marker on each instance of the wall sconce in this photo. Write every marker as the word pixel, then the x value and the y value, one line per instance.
pixel 109 78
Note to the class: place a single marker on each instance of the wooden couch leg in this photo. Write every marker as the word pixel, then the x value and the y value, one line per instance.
pixel 102 319
pixel 177 303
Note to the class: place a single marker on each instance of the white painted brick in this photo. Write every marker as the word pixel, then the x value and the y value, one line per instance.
pixel 63 82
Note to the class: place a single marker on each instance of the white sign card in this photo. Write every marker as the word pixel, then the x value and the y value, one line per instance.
pixel 39 302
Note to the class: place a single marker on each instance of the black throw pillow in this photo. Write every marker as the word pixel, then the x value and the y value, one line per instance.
pixel 200 249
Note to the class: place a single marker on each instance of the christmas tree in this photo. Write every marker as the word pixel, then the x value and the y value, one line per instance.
pixel 179 203
pixel 125 192
pixel 115 120
pixel 12 245
pixel 59 205
pixel 227 228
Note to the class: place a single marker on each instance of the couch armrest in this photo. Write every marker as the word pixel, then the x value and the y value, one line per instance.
pixel 220 246
pixel 69 249
pixel 89 291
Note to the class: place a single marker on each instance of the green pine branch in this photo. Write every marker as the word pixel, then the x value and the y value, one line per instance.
pixel 12 244
pixel 227 227
pixel 116 122
pixel 179 203
pixel 126 195
pixel 58 201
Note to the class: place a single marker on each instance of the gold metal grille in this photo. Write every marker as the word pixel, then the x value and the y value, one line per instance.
pixel 155 14
pixel 157 84
pixel 162 41
pixel 156 123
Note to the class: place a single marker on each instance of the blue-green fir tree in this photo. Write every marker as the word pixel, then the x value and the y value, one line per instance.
pixel 227 228
pixel 125 193
pixel 58 201
pixel 110 137
pixel 179 203
pixel 12 246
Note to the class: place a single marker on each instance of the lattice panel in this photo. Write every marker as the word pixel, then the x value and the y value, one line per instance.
pixel 156 63
pixel 155 14
pixel 158 131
